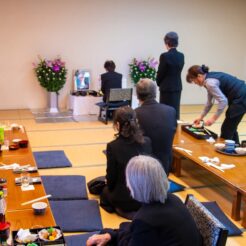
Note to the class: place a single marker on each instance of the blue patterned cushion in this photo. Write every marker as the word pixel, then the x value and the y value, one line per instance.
pixel 209 226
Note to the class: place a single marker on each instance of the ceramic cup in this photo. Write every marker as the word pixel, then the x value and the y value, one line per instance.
pixel 39 208
pixel 229 146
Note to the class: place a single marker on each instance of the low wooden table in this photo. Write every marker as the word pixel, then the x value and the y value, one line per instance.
pixel 22 216
pixel 26 219
pixel 235 178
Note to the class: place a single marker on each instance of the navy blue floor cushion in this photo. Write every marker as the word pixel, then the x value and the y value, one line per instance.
pixel 79 240
pixel 65 187
pixel 175 187
pixel 213 207
pixel 77 215
pixel 51 159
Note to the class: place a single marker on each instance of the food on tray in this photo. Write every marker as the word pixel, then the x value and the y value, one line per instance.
pixel 200 133
pixel 50 234
pixel 32 244
pixel 25 236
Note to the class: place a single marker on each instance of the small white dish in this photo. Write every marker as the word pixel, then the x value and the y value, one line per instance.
pixel 16 140
pixel 240 151
pixel 219 146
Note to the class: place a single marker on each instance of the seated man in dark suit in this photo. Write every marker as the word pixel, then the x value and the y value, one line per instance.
pixel 158 122
pixel 110 79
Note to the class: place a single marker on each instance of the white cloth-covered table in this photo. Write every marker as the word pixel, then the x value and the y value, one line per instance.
pixel 84 105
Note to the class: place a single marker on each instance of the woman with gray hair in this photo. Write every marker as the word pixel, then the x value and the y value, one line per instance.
pixel 162 220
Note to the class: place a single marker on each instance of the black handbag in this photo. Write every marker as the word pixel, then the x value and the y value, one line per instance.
pixel 96 185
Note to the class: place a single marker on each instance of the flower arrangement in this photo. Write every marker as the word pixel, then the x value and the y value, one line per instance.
pixel 51 74
pixel 143 69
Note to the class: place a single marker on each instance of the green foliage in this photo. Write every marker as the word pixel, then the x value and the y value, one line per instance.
pixel 143 69
pixel 51 74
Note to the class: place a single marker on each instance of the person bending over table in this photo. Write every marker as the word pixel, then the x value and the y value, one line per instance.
pixel 226 90
pixel 129 142
pixel 162 220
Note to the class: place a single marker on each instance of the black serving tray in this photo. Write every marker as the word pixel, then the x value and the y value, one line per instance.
pixel 207 133
pixel 58 242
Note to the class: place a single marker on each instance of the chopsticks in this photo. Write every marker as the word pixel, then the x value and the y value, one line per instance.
pixel 189 152
pixel 35 200
pixel 207 131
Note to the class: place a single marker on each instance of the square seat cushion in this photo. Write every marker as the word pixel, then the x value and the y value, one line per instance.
pixel 77 215
pixel 80 239
pixel 51 159
pixel 65 187
pixel 214 208
pixel 175 187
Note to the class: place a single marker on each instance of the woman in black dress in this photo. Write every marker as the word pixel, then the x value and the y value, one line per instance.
pixel 129 142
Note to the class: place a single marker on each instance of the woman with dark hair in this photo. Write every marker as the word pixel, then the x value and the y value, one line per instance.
pixel 110 79
pixel 226 90
pixel 169 73
pixel 129 142
pixel 162 220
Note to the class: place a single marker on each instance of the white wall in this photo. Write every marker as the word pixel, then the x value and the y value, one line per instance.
pixel 87 32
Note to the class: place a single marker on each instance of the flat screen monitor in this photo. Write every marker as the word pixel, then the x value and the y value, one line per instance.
pixel 82 79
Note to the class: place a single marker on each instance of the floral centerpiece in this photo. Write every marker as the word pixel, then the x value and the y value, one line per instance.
pixel 143 69
pixel 51 74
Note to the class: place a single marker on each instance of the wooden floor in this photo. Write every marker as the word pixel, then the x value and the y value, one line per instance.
pixel 83 143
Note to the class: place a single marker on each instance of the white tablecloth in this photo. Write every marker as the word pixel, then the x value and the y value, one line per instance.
pixel 84 105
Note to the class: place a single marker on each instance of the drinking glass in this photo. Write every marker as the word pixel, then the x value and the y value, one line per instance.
pixel 25 179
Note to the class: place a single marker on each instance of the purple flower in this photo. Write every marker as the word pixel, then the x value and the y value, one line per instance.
pixel 141 66
pixel 56 68
pixel 48 63
pixel 152 63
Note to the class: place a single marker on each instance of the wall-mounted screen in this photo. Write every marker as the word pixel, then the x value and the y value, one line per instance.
pixel 82 79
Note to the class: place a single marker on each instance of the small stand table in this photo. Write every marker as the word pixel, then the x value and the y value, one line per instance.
pixel 84 105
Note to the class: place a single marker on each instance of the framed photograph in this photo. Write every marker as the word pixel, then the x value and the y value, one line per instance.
pixel 82 79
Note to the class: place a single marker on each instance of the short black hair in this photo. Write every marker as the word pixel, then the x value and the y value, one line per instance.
pixel 171 39
pixel 109 65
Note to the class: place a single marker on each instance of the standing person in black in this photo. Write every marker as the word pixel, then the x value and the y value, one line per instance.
pixel 226 90
pixel 129 142
pixel 163 220
pixel 158 122
pixel 169 73
pixel 110 79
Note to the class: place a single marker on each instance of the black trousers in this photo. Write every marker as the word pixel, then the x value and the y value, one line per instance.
pixel 229 127
pixel 172 99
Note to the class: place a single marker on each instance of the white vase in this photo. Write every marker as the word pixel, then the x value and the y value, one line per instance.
pixel 53 102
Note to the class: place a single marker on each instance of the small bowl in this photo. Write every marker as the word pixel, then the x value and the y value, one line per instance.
pixel 14 126
pixel 13 146
pixel 219 146
pixel 240 151
pixel 39 208
pixel 23 143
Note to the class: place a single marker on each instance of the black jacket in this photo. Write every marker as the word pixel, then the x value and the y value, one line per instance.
pixel 110 80
pixel 169 71
pixel 119 152
pixel 157 224
pixel 158 122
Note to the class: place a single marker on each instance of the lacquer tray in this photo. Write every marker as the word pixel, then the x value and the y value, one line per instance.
pixel 201 133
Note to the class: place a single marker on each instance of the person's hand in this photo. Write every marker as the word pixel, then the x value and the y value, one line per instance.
pixel 197 121
pixel 98 239
pixel 209 122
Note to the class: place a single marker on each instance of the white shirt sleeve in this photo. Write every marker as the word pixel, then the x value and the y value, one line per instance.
pixel 214 93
